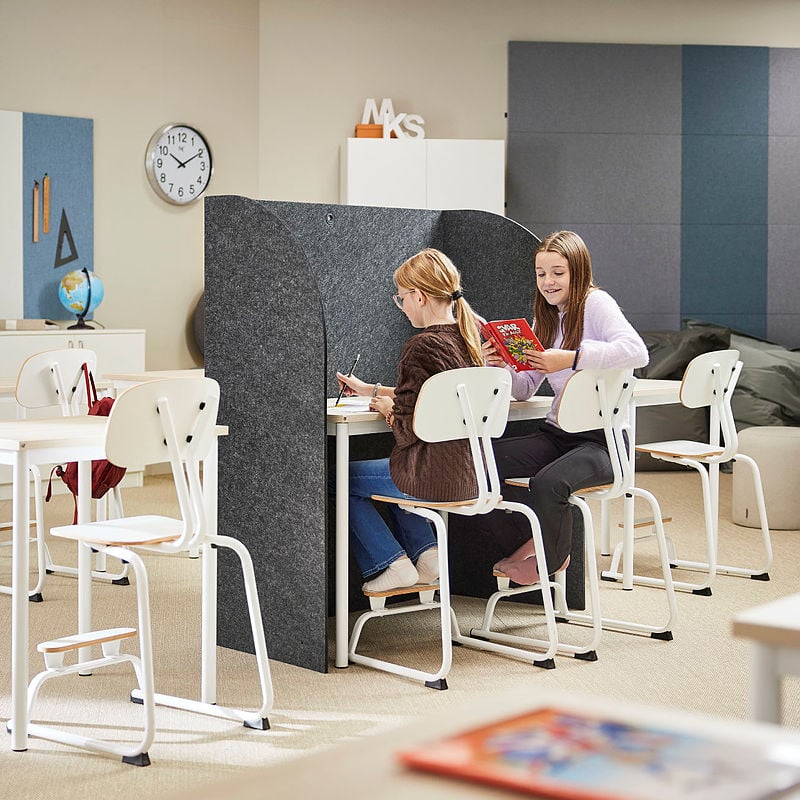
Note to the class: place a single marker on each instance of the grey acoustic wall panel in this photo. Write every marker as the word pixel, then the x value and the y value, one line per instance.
pixel 783 217
pixel 293 292
pixel 594 145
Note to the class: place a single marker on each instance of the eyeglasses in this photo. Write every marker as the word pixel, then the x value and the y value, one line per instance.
pixel 398 298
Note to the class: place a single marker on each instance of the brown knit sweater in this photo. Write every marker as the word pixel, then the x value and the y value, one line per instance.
pixel 433 471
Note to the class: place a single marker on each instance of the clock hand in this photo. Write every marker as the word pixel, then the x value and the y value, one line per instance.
pixel 190 159
pixel 180 163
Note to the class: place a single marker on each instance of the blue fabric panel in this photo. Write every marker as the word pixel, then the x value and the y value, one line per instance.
pixel 724 186
pixel 724 180
pixel 725 90
pixel 61 147
pixel 723 275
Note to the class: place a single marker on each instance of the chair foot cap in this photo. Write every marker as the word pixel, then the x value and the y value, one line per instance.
pixel 589 655
pixel 665 636
pixel 121 581
pixel 138 700
pixel 440 684
pixel 705 592
pixel 37 598
pixel 546 663
pixel 763 576
pixel 142 760
pixel 608 578
pixel 257 725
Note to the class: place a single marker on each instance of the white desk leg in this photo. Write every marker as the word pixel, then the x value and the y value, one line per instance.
pixel 84 558
pixel 208 648
pixel 765 687
pixel 19 603
pixel 342 542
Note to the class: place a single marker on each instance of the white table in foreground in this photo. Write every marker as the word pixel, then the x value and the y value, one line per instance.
pixel 774 629
pixel 353 419
pixel 368 766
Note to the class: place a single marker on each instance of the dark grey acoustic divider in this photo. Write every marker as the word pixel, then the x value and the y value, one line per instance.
pixel 293 291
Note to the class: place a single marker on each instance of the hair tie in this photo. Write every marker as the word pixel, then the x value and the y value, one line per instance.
pixel 456 294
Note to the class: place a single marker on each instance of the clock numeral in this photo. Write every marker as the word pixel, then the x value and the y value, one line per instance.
pixel 163 150
pixel 159 163
pixel 162 177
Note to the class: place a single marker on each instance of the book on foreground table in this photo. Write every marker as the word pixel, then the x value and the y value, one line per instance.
pixel 567 754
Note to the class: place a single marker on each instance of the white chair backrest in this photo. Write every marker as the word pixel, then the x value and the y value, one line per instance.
pixel 469 403
pixel 170 420
pixel 703 375
pixel 598 399
pixel 55 378
pixel 709 380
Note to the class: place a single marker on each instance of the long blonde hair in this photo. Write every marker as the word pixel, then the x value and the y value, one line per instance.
pixel 569 245
pixel 433 273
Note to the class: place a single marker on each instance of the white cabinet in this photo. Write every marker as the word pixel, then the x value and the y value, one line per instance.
pixel 117 351
pixel 424 173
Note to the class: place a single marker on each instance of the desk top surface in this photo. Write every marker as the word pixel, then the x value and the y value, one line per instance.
pixel 370 765
pixel 647 392
pixel 776 623
pixel 59 431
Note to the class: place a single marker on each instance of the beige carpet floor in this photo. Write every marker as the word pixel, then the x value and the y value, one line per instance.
pixel 703 669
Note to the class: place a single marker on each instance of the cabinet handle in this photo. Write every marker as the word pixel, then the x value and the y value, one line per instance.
pixel 70 344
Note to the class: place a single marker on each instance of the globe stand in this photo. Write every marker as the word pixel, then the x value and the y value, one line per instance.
pixel 80 325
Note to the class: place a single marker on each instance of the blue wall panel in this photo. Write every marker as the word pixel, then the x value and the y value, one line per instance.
pixel 724 185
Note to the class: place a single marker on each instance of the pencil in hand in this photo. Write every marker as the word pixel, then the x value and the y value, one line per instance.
pixel 344 385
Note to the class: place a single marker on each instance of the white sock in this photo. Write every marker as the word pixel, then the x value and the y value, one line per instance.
pixel 397 575
pixel 428 566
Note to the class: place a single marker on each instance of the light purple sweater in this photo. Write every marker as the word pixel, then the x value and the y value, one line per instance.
pixel 609 342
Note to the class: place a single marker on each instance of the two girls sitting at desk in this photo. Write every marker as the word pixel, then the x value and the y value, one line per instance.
pixel 579 325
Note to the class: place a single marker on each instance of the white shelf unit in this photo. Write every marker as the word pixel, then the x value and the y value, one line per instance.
pixel 424 173
pixel 117 351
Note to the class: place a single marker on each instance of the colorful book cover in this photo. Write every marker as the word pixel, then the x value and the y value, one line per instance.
pixel 564 754
pixel 511 337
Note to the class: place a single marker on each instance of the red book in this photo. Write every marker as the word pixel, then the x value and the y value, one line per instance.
pixel 511 337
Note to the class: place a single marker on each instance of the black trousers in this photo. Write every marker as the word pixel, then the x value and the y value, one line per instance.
pixel 558 463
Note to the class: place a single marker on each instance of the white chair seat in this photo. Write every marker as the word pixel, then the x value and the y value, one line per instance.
pixel 680 448
pixel 127 532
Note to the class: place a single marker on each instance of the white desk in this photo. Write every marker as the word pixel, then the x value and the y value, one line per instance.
pixel 775 631
pixel 344 422
pixel 369 764
pixel 23 443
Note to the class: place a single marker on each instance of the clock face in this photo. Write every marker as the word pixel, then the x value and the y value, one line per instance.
pixel 178 163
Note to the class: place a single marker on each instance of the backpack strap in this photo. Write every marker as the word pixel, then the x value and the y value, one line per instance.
pixel 91 389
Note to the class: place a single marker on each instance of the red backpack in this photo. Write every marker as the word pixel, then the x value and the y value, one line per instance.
pixel 105 475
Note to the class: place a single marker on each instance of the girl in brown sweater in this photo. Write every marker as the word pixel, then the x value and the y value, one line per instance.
pixel 429 294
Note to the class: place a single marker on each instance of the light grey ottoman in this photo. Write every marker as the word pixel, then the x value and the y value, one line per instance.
pixel 776 450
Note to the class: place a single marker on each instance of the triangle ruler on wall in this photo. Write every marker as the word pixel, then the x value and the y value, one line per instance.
pixel 65 234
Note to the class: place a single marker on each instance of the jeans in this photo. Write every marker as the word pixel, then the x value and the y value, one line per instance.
pixel 372 542
pixel 558 464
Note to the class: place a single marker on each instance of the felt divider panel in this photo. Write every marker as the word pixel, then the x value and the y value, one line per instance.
pixel 293 292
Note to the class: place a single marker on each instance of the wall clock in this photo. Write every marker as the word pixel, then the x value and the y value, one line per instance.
pixel 178 163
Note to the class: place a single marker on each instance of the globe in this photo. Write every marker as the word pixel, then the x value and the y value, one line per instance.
pixel 80 292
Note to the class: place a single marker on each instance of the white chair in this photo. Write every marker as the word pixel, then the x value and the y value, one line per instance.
pixel 54 380
pixel 593 399
pixel 165 420
pixel 461 404
pixel 709 381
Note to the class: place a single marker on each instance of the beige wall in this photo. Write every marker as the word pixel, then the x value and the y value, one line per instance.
pixel 277 85
pixel 132 66
pixel 446 60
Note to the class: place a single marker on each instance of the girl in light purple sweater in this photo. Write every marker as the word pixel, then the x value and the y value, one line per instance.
pixel 581 327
